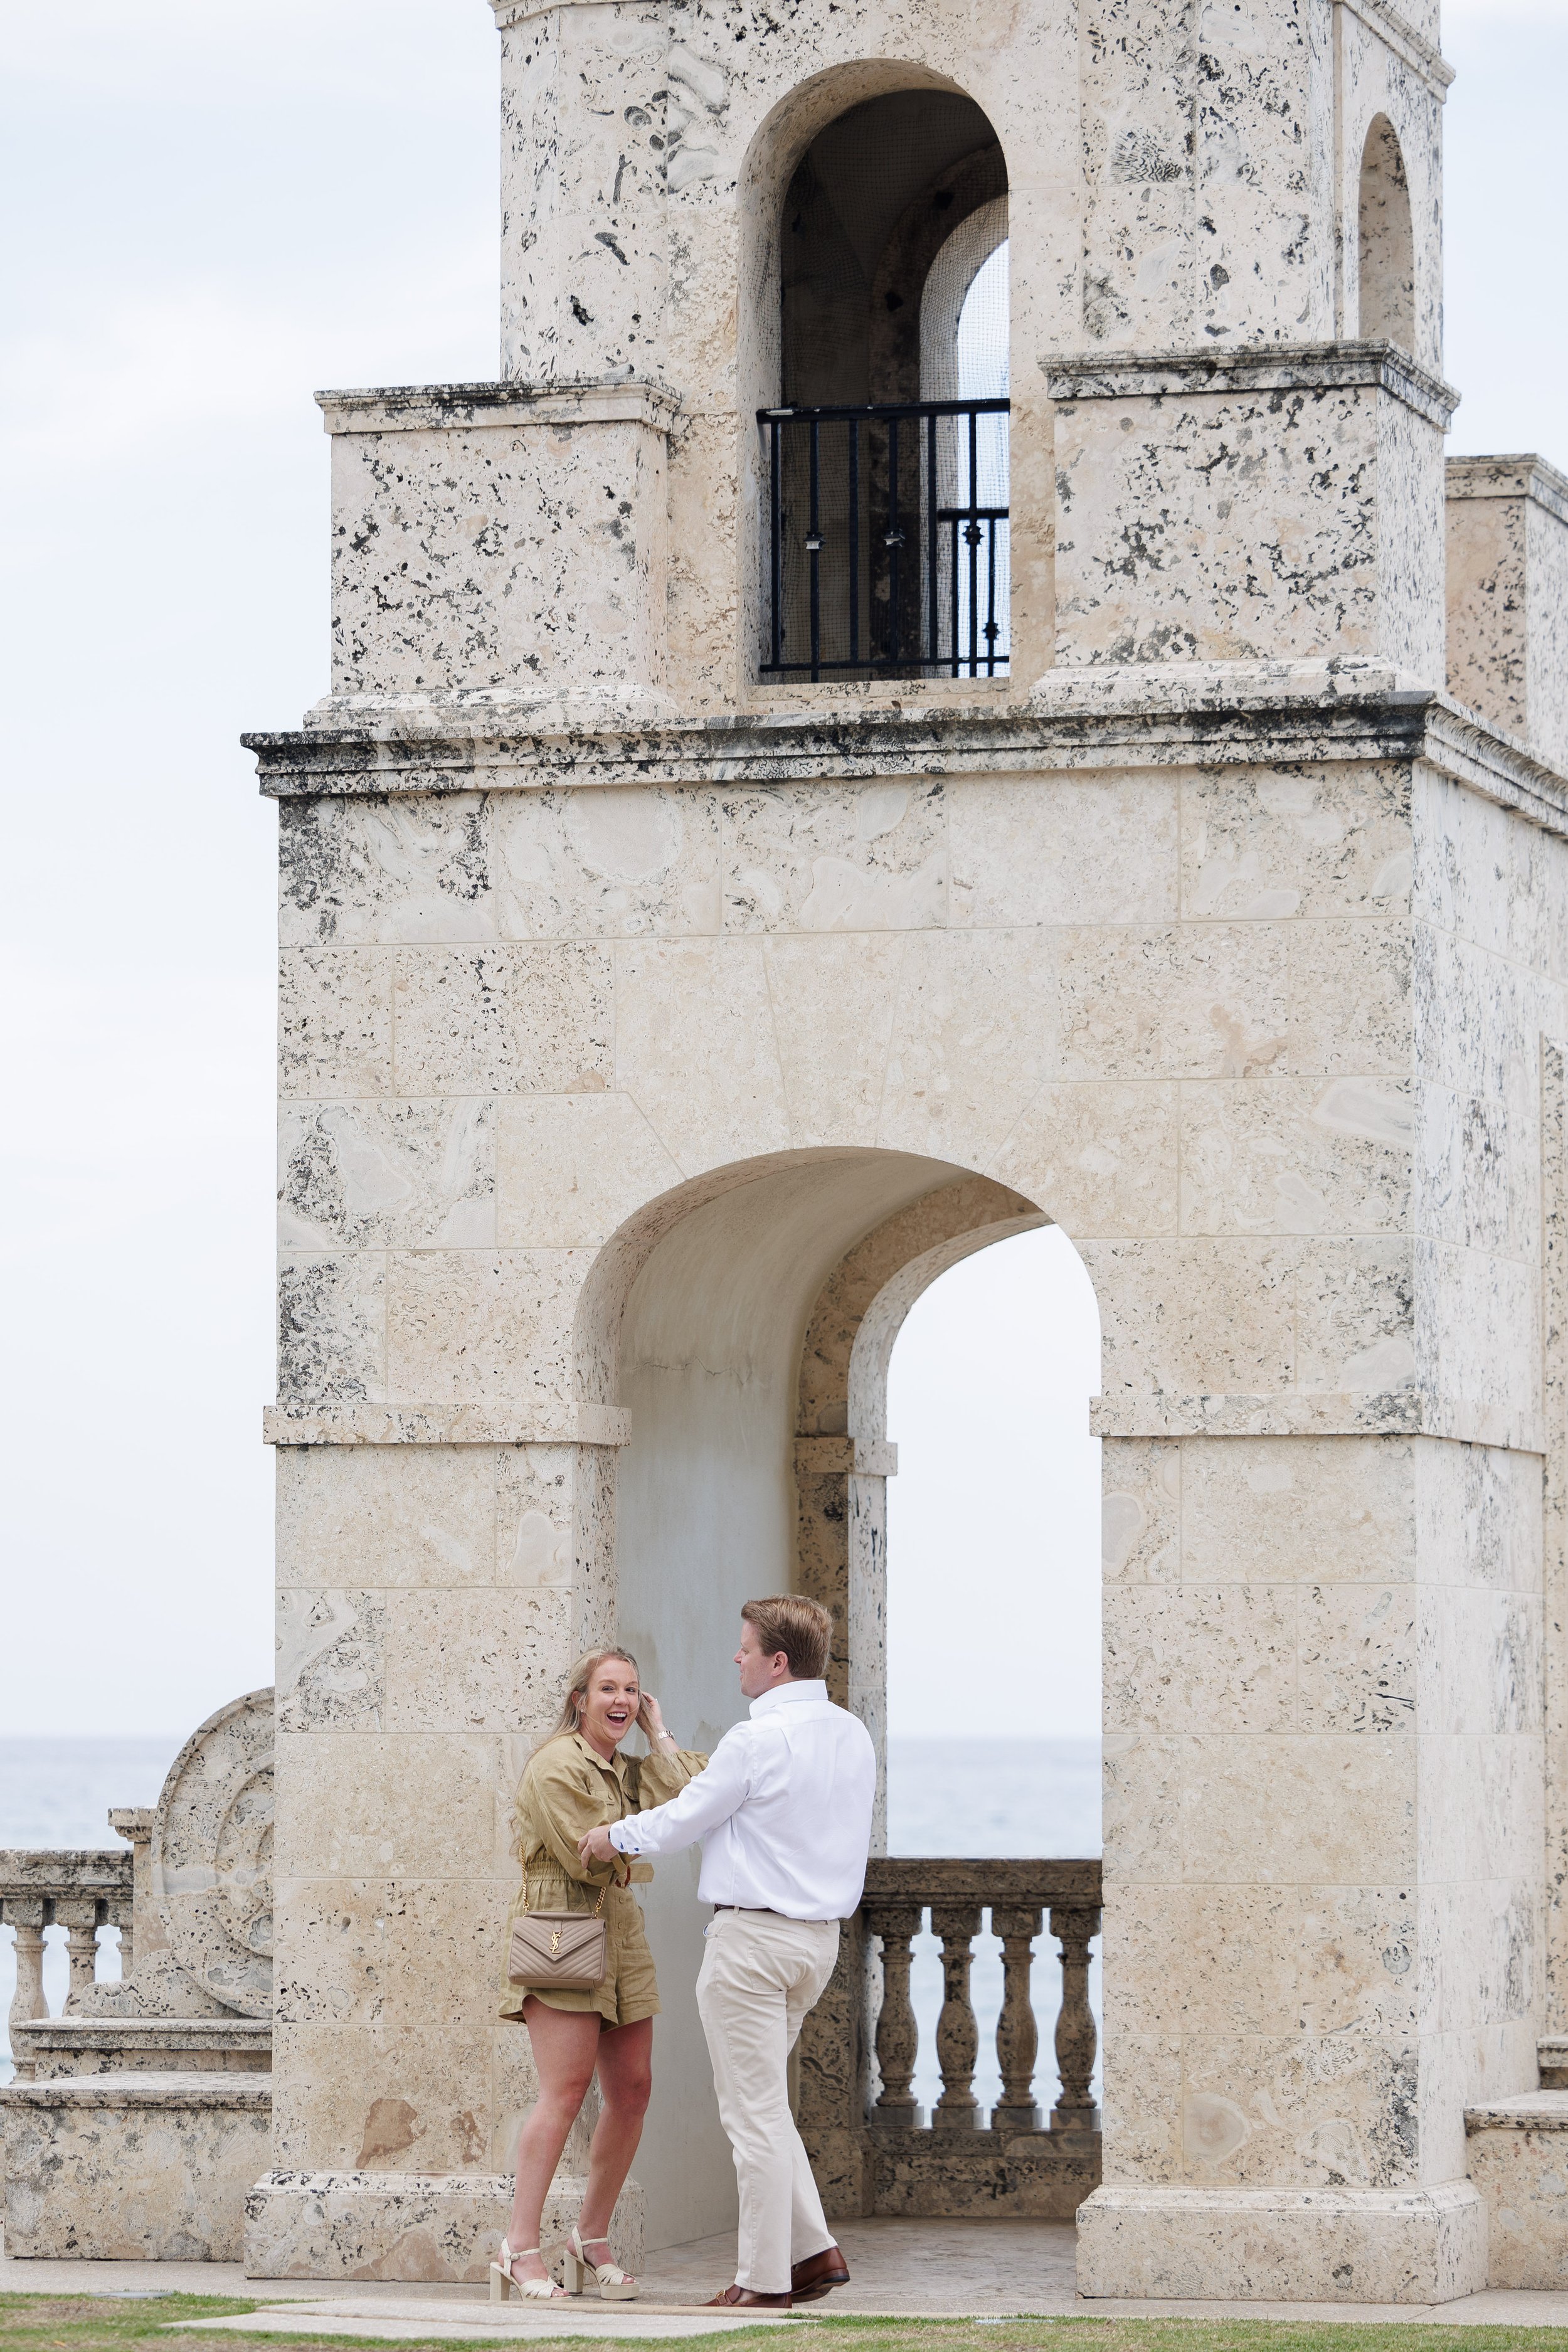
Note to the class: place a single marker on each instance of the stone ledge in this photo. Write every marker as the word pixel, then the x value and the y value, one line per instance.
pixel 405 2225
pixel 1318 1412
pixel 1318 2245
pixel 41 1872
pixel 217 2089
pixel 1529 2111
pixel 1205 715
pixel 859 1457
pixel 1408 44
pixel 1073 1883
pixel 1521 475
pixel 481 407
pixel 70 2047
pixel 462 1424
pixel 1256 367
pixel 1209 713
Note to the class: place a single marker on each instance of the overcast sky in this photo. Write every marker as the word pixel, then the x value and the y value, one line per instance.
pixel 210 211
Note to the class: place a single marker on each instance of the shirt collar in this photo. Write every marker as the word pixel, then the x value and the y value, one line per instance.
pixel 617 1764
pixel 786 1693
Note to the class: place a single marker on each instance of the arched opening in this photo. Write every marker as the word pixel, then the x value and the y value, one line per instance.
pixel 885 476
pixel 1387 270
pixel 747 1320
pixel 994 1598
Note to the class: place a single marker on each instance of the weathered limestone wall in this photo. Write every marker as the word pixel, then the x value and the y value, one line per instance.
pixel 488 536
pixel 646 156
pixel 593 1086
pixel 1247 509
pixel 1492 1000
pixel 1508 596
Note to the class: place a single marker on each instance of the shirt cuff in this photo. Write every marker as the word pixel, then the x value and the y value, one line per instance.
pixel 619 1840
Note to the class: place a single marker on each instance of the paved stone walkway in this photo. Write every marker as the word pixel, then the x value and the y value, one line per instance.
pixel 902 2269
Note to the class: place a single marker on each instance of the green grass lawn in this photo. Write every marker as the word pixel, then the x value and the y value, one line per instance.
pixel 82 2323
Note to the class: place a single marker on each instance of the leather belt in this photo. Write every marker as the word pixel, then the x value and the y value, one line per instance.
pixel 765 1908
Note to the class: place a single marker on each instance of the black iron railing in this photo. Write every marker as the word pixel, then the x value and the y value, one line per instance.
pixel 888 546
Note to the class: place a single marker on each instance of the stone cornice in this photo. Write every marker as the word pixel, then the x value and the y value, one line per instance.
pixel 1394 30
pixel 1256 367
pixel 1515 476
pixel 1312 1412
pixel 1079 720
pixel 479 407
pixel 1185 715
pixel 1470 748
pixel 1413 48
pixel 457 1424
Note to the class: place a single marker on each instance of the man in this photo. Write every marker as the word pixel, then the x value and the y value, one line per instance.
pixel 783 1812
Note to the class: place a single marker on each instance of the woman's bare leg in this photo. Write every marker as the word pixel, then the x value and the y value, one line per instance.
pixel 626 2063
pixel 565 2050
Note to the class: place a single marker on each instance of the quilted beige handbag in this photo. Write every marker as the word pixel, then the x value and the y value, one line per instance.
pixel 559 1951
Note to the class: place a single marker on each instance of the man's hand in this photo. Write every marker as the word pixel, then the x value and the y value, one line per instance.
pixel 596 1847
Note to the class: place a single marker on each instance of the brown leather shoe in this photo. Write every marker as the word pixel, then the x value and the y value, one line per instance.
pixel 812 2279
pixel 743 2295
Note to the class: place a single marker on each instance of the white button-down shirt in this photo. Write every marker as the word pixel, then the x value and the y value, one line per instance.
pixel 783 1810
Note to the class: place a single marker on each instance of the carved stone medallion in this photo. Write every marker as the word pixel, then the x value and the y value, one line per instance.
pixel 211 1855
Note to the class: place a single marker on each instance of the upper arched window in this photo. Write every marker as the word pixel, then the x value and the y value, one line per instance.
pixel 1387 278
pixel 887 472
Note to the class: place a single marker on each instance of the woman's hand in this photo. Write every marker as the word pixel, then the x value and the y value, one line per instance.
pixel 650 1722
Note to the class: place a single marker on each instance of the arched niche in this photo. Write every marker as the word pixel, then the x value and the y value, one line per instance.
pixel 1387 241
pixel 744 1321
pixel 850 190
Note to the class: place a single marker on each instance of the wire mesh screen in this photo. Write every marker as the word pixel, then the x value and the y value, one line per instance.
pixel 887 557
pixel 983 324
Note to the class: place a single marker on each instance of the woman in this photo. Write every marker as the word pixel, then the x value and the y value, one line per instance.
pixel 576 1780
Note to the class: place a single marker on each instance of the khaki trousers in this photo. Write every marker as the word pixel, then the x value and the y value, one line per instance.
pixel 759 1975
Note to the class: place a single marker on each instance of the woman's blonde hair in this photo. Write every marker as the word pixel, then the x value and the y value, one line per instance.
pixel 577 1689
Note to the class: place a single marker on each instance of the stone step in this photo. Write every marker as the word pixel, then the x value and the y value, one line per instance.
pixel 47 2047
pixel 1551 2057
pixel 1517 2152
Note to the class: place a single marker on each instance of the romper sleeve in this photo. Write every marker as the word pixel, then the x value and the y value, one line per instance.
pixel 659 1777
pixel 565 1805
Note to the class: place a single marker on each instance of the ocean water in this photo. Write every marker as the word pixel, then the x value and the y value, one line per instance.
pixel 1015 1797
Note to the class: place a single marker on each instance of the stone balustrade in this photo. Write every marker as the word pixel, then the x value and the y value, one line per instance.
pixel 873 2148
pixel 80 1891
pixel 1020 1897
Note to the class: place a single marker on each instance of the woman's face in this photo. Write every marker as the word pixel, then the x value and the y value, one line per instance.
pixel 609 1705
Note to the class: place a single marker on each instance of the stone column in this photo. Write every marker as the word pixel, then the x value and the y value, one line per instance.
pixel 431 1597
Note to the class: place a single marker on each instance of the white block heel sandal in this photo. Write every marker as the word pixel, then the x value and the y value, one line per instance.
pixel 615 2285
pixel 540 2290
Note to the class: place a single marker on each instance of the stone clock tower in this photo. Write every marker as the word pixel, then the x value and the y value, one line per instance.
pixel 917 704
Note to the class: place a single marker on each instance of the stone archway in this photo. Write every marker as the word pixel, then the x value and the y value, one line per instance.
pixel 732 1346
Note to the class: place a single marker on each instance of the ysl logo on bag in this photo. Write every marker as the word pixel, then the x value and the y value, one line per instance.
pixel 555 1943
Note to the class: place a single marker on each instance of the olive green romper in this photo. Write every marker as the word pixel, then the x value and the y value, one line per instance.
pixel 566 1791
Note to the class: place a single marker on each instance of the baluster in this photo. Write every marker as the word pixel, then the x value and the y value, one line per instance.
pixel 957 2035
pixel 123 1917
pixel 78 1916
pixel 898 2034
pixel 1076 2039
pixel 26 1914
pixel 1017 2035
